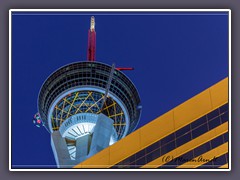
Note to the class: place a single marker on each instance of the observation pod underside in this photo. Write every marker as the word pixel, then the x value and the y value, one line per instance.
pixel 80 88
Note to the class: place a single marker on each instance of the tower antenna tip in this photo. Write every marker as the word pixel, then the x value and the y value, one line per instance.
pixel 92 27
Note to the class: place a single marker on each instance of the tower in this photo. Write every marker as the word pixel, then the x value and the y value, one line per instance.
pixel 87 106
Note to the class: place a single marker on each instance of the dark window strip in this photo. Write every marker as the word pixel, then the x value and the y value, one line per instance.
pixel 197 151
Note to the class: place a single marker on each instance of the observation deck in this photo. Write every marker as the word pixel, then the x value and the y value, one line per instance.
pixel 81 88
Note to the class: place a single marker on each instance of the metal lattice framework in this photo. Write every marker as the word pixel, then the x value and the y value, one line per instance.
pixel 88 102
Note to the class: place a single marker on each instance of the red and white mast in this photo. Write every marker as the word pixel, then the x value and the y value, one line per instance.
pixel 91 54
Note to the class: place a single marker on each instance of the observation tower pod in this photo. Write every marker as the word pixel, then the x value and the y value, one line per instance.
pixel 87 106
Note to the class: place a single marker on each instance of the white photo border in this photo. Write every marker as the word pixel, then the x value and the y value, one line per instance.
pixel 117 10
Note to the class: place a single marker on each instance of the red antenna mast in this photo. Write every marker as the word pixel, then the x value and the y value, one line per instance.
pixel 91 54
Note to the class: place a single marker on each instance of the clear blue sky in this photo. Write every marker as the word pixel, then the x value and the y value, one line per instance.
pixel 175 56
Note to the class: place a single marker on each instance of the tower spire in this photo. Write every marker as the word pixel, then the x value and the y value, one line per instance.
pixel 91 54
pixel 92 27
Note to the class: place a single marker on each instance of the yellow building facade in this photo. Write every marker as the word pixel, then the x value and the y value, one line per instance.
pixel 191 135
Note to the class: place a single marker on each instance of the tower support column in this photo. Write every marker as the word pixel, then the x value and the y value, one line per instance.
pixel 102 134
pixel 60 151
pixel 82 147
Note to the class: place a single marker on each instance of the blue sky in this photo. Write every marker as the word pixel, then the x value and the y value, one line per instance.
pixel 175 56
